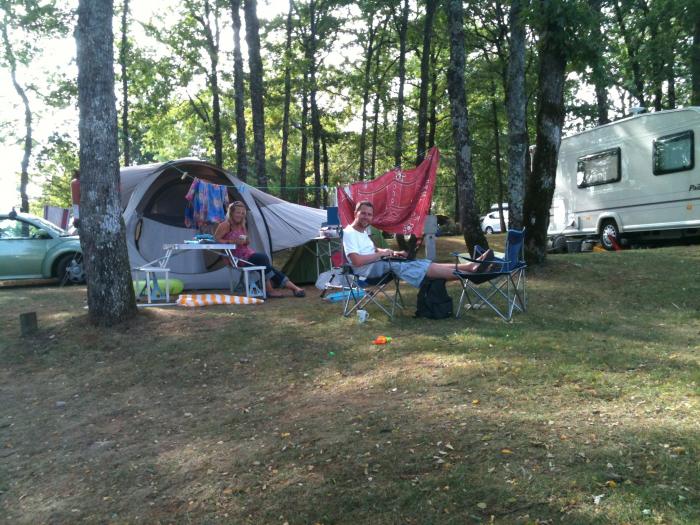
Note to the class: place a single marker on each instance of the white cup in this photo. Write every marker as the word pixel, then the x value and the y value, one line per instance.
pixel 362 316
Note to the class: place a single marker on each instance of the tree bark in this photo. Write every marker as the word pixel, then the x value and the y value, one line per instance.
pixel 369 51
pixel 550 119
pixel 123 58
pixel 460 128
pixel 326 168
pixel 599 73
pixel 516 107
pixel 24 174
pixel 695 65
pixel 301 198
pixel 398 141
pixel 256 89
pixel 212 38
pixel 239 94
pixel 315 118
pixel 287 101
pixel 497 153
pixel 109 288
pixel 430 8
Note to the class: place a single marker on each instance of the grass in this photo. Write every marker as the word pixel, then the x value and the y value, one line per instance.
pixel 583 410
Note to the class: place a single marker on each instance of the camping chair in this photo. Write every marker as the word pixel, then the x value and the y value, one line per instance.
pixel 361 292
pixel 502 285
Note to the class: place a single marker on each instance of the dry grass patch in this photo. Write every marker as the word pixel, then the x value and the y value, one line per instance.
pixel 583 410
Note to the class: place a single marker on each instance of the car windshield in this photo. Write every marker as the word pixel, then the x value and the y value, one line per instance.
pixel 49 226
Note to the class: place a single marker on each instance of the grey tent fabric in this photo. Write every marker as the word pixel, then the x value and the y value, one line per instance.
pixel 153 198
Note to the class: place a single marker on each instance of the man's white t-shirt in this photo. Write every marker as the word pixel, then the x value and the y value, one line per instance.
pixel 360 243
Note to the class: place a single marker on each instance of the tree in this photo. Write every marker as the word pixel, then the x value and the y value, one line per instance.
pixel 516 107
pixel 695 64
pixel 252 30
pixel 34 19
pixel 109 289
pixel 287 100
pixel 460 128
pixel 239 94
pixel 123 58
pixel 430 8
pixel 550 119
pixel 402 30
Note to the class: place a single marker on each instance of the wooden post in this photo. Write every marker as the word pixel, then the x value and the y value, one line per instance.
pixel 27 323
pixel 429 230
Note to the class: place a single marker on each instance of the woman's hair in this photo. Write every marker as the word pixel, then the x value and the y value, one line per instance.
pixel 233 206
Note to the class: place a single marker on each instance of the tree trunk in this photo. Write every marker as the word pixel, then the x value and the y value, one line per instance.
pixel 239 94
pixel 369 51
pixel 460 128
pixel 398 142
pixel 315 119
pixel 301 199
pixel 599 72
pixel 432 119
pixel 212 37
pixel 287 101
pixel 109 288
pixel 123 58
pixel 516 107
pixel 497 153
pixel 430 7
pixel 695 65
pixel 326 168
pixel 256 89
pixel 550 119
pixel 24 175
pixel 632 49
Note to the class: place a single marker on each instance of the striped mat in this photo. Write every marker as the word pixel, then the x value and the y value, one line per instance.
pixel 206 299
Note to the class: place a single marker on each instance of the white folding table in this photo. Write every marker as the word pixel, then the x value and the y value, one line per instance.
pixel 161 265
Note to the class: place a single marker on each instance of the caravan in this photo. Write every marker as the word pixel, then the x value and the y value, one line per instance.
pixel 635 177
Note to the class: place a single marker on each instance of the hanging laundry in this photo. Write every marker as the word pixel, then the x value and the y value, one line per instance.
pixel 207 203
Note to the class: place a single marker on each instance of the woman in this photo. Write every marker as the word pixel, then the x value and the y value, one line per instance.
pixel 233 231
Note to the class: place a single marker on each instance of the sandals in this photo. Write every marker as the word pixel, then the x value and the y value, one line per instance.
pixel 300 293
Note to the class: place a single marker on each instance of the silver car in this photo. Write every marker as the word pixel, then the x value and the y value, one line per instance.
pixel 33 248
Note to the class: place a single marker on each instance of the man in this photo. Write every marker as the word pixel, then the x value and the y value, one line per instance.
pixel 367 260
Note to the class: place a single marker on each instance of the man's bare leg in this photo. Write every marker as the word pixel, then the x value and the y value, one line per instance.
pixel 446 270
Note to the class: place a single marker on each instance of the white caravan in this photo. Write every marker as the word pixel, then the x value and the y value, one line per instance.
pixel 633 177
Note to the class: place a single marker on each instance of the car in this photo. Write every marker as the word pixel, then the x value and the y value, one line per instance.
pixel 33 248
pixel 491 222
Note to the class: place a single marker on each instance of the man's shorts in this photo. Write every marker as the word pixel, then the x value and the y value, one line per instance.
pixel 413 272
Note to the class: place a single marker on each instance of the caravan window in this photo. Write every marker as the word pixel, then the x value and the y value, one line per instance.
pixel 600 168
pixel 674 153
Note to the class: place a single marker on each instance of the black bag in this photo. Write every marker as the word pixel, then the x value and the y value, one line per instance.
pixel 433 300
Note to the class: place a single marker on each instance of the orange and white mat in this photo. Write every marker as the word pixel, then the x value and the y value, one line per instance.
pixel 206 299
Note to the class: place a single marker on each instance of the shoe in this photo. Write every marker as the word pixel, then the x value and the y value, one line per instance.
pixel 300 293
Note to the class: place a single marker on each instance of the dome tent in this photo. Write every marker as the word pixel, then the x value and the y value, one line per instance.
pixel 153 198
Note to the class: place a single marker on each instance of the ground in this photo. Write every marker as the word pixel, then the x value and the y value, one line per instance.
pixel 585 409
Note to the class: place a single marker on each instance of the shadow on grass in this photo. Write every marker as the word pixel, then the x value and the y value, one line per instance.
pixel 287 413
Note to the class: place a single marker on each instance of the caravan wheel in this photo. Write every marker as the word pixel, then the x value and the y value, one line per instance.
pixel 607 230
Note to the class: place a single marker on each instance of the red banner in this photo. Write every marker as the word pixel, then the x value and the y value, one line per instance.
pixel 401 198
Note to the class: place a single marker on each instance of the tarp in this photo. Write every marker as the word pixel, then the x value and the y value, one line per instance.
pixel 153 198
pixel 401 198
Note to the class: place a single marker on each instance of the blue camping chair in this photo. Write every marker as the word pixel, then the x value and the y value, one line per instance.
pixel 502 285
pixel 361 292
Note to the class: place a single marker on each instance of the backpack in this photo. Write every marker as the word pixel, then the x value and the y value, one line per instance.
pixel 433 300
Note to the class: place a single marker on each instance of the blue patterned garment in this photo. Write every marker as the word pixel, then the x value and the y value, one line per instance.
pixel 208 203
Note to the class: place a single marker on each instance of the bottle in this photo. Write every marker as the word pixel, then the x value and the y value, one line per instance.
pixel 382 340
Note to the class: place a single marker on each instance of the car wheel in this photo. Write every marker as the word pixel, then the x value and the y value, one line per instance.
pixel 488 230
pixel 609 229
pixel 70 269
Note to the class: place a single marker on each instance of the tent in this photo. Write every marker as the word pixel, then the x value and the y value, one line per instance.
pixel 153 199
